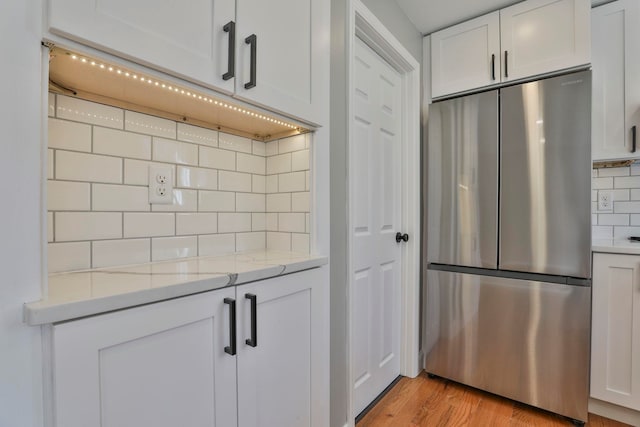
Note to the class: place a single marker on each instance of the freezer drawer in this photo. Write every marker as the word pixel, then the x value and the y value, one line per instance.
pixel 545 176
pixel 462 181
pixel 525 340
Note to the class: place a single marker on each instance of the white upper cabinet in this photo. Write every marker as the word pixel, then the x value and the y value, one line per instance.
pixel 186 39
pixel 616 86
pixel 466 56
pixel 534 37
pixel 291 36
pixel 541 36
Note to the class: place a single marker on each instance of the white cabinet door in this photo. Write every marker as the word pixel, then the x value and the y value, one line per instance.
pixel 541 36
pixel 616 87
pixel 282 379
pixel 615 342
pixel 466 56
pixel 186 39
pixel 160 365
pixel 292 45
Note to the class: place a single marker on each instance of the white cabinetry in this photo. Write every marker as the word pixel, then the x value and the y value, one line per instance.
pixel 188 39
pixel 466 56
pixel 172 363
pixel 530 38
pixel 616 86
pixel 615 342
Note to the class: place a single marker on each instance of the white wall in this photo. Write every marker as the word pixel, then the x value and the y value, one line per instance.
pixel 20 244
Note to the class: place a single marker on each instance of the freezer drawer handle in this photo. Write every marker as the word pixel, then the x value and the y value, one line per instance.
pixel 506 63
pixel 231 348
pixel 402 237
pixel 253 341
pixel 493 66
pixel 230 28
pixel 253 41
pixel 633 139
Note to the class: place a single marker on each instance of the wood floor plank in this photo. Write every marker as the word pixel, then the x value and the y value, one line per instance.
pixel 435 402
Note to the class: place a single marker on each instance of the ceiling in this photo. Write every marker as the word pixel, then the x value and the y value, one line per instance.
pixel 432 15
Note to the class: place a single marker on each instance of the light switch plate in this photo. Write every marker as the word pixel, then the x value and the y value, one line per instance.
pixel 160 185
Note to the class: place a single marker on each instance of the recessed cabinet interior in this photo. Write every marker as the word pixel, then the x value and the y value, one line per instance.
pixel 616 86
pixel 242 47
pixel 530 38
pixel 176 362
pixel 615 342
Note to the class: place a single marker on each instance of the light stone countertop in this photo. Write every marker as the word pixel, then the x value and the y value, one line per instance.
pixel 612 246
pixel 85 293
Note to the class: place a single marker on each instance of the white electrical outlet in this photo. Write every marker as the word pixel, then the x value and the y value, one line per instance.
pixel 605 200
pixel 160 185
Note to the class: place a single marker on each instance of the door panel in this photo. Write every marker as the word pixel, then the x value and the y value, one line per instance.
pixel 463 181
pixel 375 219
pixel 545 196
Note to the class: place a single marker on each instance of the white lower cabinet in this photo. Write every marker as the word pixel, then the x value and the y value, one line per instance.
pixel 170 363
pixel 615 342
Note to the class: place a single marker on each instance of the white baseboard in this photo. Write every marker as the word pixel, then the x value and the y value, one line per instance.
pixel 614 412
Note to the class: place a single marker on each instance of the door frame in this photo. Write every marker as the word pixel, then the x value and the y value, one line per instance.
pixel 364 25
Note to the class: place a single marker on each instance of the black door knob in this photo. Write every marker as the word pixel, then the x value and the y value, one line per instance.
pixel 402 237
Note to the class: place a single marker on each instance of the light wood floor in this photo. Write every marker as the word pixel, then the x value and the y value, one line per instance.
pixel 423 401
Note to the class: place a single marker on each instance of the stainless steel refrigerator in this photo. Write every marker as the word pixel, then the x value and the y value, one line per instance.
pixel 508 238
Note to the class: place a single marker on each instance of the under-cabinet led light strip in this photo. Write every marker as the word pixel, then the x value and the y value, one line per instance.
pixel 178 90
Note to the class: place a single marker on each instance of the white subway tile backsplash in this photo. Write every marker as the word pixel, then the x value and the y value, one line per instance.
pixel 249 202
pixel 602 232
pixel 201 178
pixel 619 195
pixel 279 241
pixel 234 142
pixel 307 178
pixel 280 202
pixel 600 183
pixel 594 173
pixel 120 198
pixel 613 219
pixel 635 194
pixel 626 207
pixel 635 169
pixel 258 184
pixel 217 159
pixel 166 150
pixel 594 195
pixel 197 135
pixel 307 227
pixel 196 223
pixel 67 135
pixel 216 201
pixel 136 172
pixel 258 221
pixel 88 167
pixel 613 172
pixel 271 184
pixel 183 201
pixel 300 202
pixel 259 148
pixel 68 256
pixel 120 143
pixel 234 181
pixel 108 253
pixel 216 244
pixel 594 219
pixel 620 233
pixel 251 164
pixel 234 222
pixel 50 164
pixel 163 248
pixel 300 243
pixel 293 222
pixel 271 221
pixel 292 143
pixel 50 227
pixel 250 241
pixel 271 148
pixel 300 160
pixel 279 164
pixel 93 113
pixel 51 105
pixel 288 182
pixel 626 182
pixel 71 226
pixel 634 219
pixel 68 196
pixel 149 224
pixel 150 125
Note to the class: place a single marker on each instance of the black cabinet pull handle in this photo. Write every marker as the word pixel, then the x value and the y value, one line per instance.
pixel 253 41
pixel 402 237
pixel 493 66
pixel 506 63
pixel 253 341
pixel 633 139
pixel 231 348
pixel 230 28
